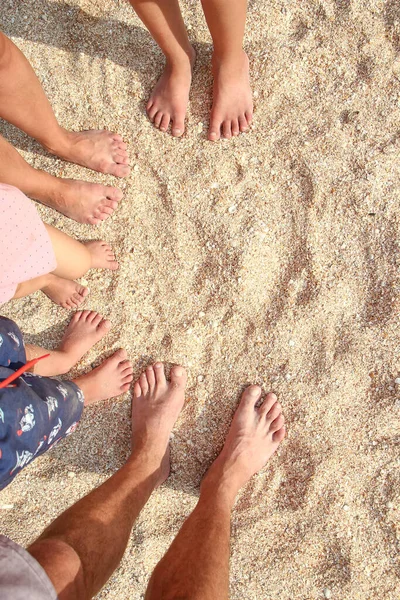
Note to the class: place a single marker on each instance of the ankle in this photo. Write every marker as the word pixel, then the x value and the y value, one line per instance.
pixel 231 58
pixel 181 60
pixel 220 484
pixel 58 143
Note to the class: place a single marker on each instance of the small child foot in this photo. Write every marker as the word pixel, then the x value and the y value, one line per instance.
pixel 169 99
pixel 99 150
pixel 65 293
pixel 112 378
pixel 85 329
pixel 232 109
pixel 102 255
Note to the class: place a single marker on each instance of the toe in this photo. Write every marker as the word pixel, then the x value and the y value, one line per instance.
pixel 226 129
pixel 117 138
pixel 277 424
pixel 268 403
pixel 137 390
pixel 79 316
pixel 114 194
pixel 93 220
pixel 214 133
pixel 110 203
pixel 243 125
pixel 143 384
pixel 235 127
pixel 273 413
pixel 104 325
pixel 250 396
pixel 178 126
pixel 83 291
pixel 121 355
pixel 151 378
pixel 113 265
pixel 279 435
pixel 160 373
pixel 178 376
pixel 158 119
pixel 152 112
pixel 121 170
pixel 96 320
pixel 89 315
pixel 249 116
pixel 165 122
pixel 127 379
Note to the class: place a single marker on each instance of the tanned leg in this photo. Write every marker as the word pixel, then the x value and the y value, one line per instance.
pixel 169 99
pixel 197 564
pixel 66 293
pixel 232 109
pixel 85 329
pixel 80 550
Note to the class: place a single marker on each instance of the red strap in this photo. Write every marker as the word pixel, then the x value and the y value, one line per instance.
pixel 29 364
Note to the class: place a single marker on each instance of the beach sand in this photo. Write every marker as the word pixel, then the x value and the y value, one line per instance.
pixel 271 259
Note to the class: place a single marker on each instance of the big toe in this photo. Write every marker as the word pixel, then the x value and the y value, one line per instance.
pixel 104 326
pixel 178 376
pixel 178 126
pixel 250 396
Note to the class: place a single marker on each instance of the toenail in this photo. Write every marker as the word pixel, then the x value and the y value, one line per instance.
pixel 254 390
pixel 158 365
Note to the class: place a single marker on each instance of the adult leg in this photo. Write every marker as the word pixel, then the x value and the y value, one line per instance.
pixel 24 104
pixel 85 329
pixel 80 550
pixel 232 109
pixel 169 99
pixel 84 202
pixel 197 564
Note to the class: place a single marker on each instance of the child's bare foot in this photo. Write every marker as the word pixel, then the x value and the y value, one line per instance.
pixel 102 255
pixel 85 329
pixel 232 109
pixel 254 436
pixel 112 378
pixel 156 405
pixel 65 293
pixel 99 150
pixel 169 99
pixel 85 202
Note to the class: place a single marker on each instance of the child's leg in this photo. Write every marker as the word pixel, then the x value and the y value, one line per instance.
pixel 84 331
pixel 168 101
pixel 75 259
pixel 232 109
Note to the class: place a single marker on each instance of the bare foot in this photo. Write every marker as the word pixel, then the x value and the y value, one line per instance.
pixel 65 293
pixel 169 99
pixel 156 405
pixel 232 109
pixel 112 378
pixel 81 201
pixel 102 256
pixel 254 436
pixel 99 150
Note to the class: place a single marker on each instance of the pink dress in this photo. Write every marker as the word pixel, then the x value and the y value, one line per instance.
pixel 25 247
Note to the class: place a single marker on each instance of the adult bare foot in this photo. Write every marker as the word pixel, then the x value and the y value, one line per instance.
pixel 232 109
pixel 65 293
pixel 102 255
pixel 169 99
pixel 85 202
pixel 254 436
pixel 112 378
pixel 156 405
pixel 99 150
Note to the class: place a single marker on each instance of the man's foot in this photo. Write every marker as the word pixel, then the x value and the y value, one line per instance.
pixel 232 109
pixel 102 256
pixel 65 293
pixel 169 99
pixel 156 405
pixel 99 150
pixel 85 202
pixel 112 378
pixel 254 436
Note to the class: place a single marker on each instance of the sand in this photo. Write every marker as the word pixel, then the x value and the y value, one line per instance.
pixel 272 259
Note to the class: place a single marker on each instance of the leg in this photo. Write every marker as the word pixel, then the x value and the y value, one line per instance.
pixel 232 109
pixel 168 101
pixel 98 150
pixel 197 564
pixel 83 546
pixel 84 331
pixel 66 293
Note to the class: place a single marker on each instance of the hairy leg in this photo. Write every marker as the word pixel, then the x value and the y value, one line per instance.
pixel 232 109
pixel 197 564
pixel 85 329
pixel 84 202
pixel 80 550
pixel 99 150
pixel 169 99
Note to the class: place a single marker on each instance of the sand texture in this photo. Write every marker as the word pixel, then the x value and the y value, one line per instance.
pixel 270 259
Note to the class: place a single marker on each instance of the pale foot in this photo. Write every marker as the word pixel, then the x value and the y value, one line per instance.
pixel 64 292
pixel 156 405
pixel 232 109
pixel 99 150
pixel 85 329
pixel 169 99
pixel 81 201
pixel 254 436
pixel 112 378
pixel 102 255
